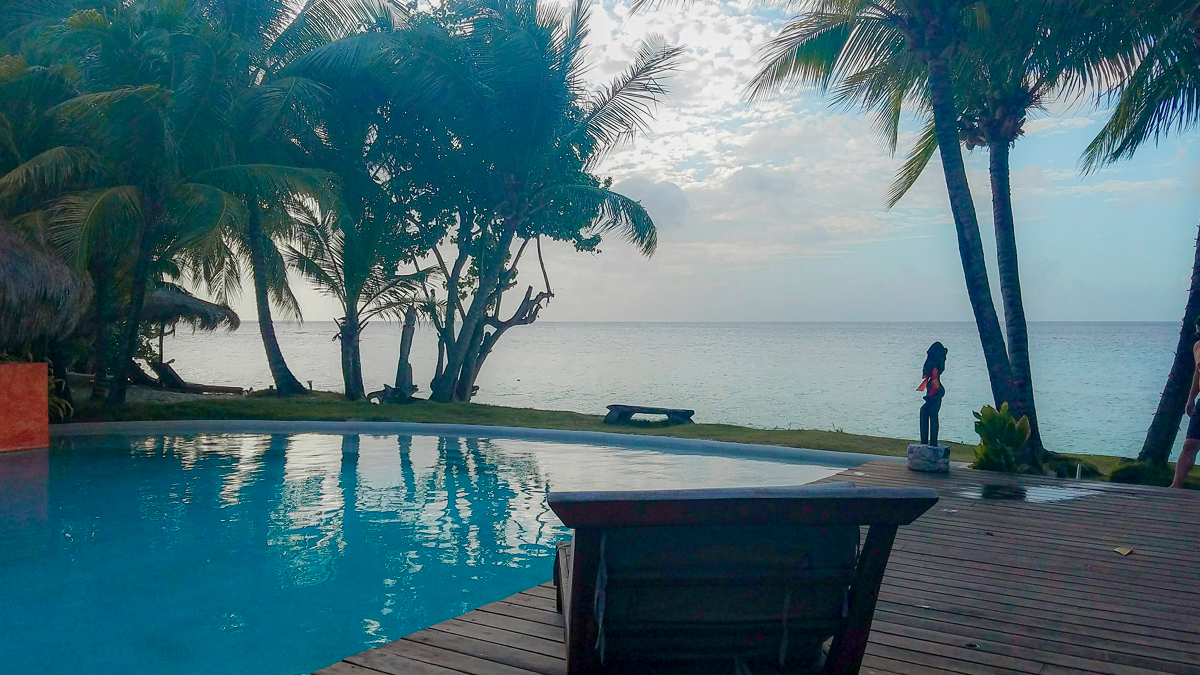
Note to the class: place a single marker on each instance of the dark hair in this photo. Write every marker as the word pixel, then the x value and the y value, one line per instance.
pixel 935 357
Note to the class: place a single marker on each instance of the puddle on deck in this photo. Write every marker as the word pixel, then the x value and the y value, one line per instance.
pixel 1038 494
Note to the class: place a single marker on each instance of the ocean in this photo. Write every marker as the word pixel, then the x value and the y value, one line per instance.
pixel 1096 384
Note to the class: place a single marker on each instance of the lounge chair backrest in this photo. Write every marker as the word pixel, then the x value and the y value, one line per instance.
pixel 745 575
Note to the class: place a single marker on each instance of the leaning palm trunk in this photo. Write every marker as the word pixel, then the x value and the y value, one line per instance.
pixel 1010 290
pixel 966 222
pixel 1165 426
pixel 152 208
pixel 285 382
pixel 101 346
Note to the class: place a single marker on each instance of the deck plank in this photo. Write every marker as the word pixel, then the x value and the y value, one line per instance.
pixel 974 587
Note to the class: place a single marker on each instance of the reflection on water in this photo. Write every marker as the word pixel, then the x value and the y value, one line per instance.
pixel 281 554
pixel 1034 494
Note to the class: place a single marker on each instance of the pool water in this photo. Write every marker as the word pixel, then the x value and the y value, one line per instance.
pixel 280 554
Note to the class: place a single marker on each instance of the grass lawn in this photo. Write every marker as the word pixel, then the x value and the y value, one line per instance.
pixel 330 406
pixel 324 407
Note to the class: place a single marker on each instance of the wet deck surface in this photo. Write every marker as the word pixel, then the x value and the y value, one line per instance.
pixel 1026 583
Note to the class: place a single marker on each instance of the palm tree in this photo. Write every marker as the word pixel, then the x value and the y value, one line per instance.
pixel 1160 96
pixel 148 158
pixel 366 283
pixel 270 112
pixel 354 251
pixel 1018 60
pixel 502 82
pixel 888 53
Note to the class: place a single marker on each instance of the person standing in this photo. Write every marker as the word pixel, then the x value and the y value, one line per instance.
pixel 931 384
pixel 1191 442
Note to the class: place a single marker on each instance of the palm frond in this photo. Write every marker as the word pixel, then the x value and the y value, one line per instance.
pixel 201 218
pixel 391 295
pixel 270 181
pixel 278 288
pixel 806 51
pixel 613 212
pixel 321 22
pixel 288 102
pixel 1161 97
pixel 91 110
pixel 56 168
pixel 8 138
pixel 626 105
pixel 317 253
pixel 912 169
pixel 81 222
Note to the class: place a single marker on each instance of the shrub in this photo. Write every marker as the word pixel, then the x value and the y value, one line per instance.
pixel 1000 436
pixel 1143 473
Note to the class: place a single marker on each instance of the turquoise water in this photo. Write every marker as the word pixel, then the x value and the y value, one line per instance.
pixel 1097 384
pixel 274 554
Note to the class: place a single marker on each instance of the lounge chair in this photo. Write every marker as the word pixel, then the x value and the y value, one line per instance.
pixel 733 581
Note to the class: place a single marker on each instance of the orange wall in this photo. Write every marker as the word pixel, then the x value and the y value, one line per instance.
pixel 24 406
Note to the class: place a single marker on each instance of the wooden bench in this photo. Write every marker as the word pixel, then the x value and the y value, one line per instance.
pixel 620 414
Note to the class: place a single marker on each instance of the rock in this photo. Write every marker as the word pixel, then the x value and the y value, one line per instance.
pixel 929 458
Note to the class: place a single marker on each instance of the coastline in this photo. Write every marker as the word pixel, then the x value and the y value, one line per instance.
pixel 329 407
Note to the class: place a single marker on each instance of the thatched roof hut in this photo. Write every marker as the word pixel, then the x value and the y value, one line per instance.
pixel 40 296
pixel 172 305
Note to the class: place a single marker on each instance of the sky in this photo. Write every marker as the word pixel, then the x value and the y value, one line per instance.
pixel 776 211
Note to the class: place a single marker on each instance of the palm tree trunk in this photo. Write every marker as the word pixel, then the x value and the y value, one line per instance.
pixel 285 382
pixel 1165 426
pixel 152 208
pixel 404 376
pixel 101 346
pixel 966 222
pixel 1010 290
pixel 351 370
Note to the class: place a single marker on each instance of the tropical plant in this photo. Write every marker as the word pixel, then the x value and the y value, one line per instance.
pixel 499 94
pixel 146 153
pixel 1160 95
pixel 1001 436
pixel 882 55
pixel 1015 61
pixel 269 112
pixel 365 283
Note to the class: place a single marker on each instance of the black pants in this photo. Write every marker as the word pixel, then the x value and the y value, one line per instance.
pixel 929 419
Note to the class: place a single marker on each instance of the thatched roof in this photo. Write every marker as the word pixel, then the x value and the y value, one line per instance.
pixel 172 305
pixel 39 294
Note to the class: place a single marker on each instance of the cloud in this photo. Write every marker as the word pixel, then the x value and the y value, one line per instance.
pixel 666 203
pixel 757 201
pixel 1056 125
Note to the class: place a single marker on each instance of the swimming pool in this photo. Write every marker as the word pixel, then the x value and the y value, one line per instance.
pixel 276 554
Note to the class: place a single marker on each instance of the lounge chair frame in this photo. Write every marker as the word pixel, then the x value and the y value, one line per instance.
pixel 590 514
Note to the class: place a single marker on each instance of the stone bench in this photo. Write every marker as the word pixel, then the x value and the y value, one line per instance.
pixel 621 414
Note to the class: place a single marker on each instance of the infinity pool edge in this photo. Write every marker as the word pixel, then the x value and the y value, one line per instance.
pixel 829 458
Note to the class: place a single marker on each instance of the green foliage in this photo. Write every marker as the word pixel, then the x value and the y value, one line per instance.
pixel 1143 473
pixel 1000 437
pixel 61 409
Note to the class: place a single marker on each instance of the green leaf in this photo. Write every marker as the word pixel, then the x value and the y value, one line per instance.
pixel 58 167
pixel 105 220
pixel 271 182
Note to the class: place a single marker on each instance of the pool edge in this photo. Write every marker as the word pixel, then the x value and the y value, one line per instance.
pixel 830 458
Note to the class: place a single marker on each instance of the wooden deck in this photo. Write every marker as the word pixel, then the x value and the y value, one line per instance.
pixel 975 587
